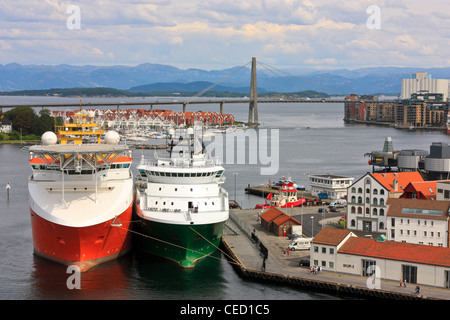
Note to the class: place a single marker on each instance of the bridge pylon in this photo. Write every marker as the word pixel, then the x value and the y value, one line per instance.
pixel 253 104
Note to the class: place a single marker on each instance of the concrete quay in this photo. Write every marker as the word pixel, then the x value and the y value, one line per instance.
pixel 245 255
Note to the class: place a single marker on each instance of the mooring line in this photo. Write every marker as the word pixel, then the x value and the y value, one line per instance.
pixel 216 247
pixel 178 246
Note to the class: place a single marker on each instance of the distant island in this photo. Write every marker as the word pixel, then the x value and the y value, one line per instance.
pixel 163 90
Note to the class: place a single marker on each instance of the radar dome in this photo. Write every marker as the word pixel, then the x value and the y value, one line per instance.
pixel 49 138
pixel 112 137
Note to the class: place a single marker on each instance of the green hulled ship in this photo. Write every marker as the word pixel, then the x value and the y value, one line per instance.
pixel 181 207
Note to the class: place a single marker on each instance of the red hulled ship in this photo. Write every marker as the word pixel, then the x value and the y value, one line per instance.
pixel 81 195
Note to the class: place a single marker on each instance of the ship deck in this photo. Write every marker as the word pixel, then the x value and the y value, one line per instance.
pixel 78 148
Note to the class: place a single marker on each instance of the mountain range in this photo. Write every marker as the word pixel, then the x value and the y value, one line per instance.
pixel 157 77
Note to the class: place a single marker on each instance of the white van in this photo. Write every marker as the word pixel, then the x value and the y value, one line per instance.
pixel 300 244
pixel 340 203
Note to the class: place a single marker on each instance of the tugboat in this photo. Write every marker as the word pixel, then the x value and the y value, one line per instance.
pixel 286 197
pixel 181 207
pixel 80 195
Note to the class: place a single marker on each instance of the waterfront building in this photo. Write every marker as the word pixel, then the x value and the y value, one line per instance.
pixel 277 222
pixel 367 198
pixel 416 113
pixel 342 251
pixel 335 187
pixel 6 125
pixel 421 82
pixel 133 119
pixel 418 221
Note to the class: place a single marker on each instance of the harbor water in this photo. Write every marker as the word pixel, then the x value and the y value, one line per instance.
pixel 313 139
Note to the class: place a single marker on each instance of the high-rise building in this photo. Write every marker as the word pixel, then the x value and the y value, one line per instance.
pixel 421 82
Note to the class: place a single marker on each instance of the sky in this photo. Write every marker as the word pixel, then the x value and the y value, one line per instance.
pixel 218 34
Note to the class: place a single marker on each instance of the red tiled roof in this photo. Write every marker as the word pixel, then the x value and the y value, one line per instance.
pixel 399 251
pixel 283 218
pixel 425 189
pixel 403 178
pixel 271 214
pixel 331 236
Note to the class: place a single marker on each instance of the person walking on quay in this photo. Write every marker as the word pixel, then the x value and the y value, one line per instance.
pixel 404 283
pixel 400 283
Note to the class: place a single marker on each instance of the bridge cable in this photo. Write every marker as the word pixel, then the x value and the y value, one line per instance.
pixel 293 76
pixel 215 84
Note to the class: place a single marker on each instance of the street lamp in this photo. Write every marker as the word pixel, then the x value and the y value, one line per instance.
pixel 312 226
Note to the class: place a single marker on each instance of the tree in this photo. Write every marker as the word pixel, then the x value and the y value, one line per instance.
pixel 22 119
pixel 45 122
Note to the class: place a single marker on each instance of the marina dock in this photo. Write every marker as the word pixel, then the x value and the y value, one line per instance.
pixel 246 242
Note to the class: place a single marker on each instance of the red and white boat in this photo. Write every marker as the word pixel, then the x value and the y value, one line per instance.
pixel 286 197
pixel 81 195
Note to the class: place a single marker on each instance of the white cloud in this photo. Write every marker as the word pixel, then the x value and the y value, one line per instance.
pixel 225 33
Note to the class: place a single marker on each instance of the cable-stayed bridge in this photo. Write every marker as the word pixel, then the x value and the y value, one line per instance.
pixel 252 101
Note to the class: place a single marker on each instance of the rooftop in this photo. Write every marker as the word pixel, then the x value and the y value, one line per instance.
pixel 401 251
pixel 416 208
pixel 331 236
pixel 403 179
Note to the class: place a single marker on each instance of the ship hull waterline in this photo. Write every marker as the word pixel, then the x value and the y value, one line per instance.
pixel 182 244
pixel 84 247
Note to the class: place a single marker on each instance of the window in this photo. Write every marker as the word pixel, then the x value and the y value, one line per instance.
pixel 316 250
pixel 324 250
pixel 331 250
pixel 368 268
pixel 409 273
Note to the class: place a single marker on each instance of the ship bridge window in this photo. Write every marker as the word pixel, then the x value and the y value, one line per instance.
pixel 142 172
pixel 219 173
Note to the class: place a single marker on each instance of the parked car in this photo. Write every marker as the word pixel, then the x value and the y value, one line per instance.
pixel 292 236
pixel 300 244
pixel 304 263
pixel 339 203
